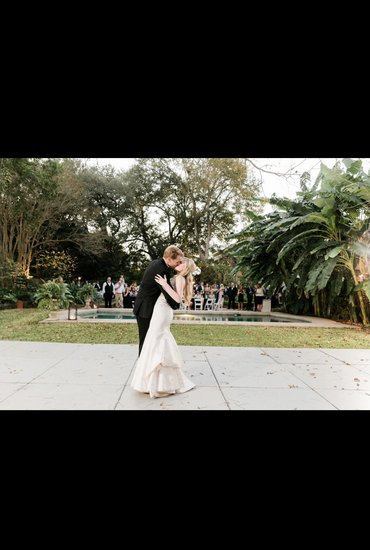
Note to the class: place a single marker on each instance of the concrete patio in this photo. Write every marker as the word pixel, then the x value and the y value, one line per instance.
pixel 55 376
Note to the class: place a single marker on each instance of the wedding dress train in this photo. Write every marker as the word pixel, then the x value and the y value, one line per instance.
pixel 158 370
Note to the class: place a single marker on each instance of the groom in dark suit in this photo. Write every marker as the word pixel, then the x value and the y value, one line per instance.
pixel 150 290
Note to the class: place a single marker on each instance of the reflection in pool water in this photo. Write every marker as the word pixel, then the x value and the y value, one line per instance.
pixel 214 317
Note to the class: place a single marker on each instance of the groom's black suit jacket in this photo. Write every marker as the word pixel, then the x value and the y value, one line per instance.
pixel 150 290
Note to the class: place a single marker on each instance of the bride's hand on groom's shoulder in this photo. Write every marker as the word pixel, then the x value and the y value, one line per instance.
pixel 160 280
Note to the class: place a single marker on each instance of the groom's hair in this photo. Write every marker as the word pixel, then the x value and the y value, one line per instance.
pixel 172 252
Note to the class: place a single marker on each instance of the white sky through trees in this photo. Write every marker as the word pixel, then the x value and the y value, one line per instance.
pixel 282 185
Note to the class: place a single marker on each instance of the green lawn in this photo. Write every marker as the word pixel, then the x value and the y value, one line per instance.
pixel 25 325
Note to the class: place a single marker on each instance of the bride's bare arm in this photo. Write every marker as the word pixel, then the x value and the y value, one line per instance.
pixel 167 287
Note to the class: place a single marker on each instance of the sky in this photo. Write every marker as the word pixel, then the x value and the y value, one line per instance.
pixel 271 183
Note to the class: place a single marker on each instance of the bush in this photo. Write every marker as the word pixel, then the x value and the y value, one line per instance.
pixel 7 296
pixel 53 295
pixel 23 294
pixel 86 291
pixel 81 293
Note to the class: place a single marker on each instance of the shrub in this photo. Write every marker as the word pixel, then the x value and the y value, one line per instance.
pixel 7 296
pixel 53 295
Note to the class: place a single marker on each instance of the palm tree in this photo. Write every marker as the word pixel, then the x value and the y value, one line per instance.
pixel 317 245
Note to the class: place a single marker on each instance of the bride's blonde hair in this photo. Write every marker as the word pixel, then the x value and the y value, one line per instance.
pixel 187 273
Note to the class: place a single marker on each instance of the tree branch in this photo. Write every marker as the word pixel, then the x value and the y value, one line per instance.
pixel 281 174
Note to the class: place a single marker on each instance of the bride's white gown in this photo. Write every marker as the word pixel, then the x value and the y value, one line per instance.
pixel 159 368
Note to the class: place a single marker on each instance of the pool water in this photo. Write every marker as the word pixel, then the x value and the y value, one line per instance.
pixel 213 317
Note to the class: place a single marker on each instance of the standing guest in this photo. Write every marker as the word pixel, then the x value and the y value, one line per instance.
pixel 232 292
pixel 240 298
pixel 250 293
pixel 258 297
pixel 108 292
pixel 119 288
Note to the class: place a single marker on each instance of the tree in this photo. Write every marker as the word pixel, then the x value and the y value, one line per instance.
pixel 52 264
pixel 189 202
pixel 37 198
pixel 9 271
pixel 319 244
pixel 27 186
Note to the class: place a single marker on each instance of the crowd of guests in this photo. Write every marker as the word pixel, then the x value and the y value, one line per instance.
pixel 119 293
pixel 206 296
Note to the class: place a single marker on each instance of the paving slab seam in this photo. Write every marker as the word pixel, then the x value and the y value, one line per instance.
pixel 14 392
pixel 263 352
pixel 333 357
pixel 313 389
pixel 215 377
pixel 124 386
pixel 33 379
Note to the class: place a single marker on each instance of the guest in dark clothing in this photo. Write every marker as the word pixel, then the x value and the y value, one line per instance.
pixel 250 293
pixel 232 292
pixel 240 298
pixel 108 292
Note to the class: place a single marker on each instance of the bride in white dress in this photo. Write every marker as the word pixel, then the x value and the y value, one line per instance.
pixel 158 369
